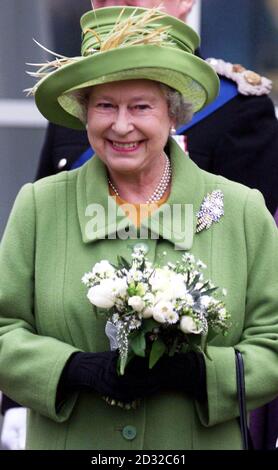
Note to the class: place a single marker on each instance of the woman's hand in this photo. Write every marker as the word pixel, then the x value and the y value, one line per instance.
pixel 185 372
pixel 98 371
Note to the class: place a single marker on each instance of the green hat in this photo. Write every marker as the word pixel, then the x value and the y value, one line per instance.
pixel 123 44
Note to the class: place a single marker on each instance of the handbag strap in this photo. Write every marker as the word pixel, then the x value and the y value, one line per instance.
pixel 241 399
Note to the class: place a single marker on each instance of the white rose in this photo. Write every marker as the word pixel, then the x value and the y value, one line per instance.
pixel 160 279
pixel 168 285
pixel 163 311
pixel 149 298
pixel 137 303
pixel 164 296
pixel 147 312
pixel 188 325
pixel 102 295
pixel 120 286
pixel 178 286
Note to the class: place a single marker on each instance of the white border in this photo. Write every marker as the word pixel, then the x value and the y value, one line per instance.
pixel 194 18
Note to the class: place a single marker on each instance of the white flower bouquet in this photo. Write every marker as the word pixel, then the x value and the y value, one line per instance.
pixel 156 310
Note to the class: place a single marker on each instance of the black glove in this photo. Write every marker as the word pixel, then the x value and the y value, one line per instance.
pixel 186 372
pixel 98 371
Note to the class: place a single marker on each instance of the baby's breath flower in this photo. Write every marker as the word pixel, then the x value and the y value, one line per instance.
pixel 87 279
pixel 201 265
pixel 103 269
pixel 188 258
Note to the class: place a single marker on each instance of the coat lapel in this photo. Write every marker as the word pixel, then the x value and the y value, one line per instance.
pixel 98 213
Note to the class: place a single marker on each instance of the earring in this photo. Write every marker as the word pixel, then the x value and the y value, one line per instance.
pixel 86 126
pixel 173 131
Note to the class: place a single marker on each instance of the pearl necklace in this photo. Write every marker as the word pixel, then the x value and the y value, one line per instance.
pixel 161 187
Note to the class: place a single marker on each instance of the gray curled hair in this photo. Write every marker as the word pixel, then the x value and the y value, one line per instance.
pixel 180 110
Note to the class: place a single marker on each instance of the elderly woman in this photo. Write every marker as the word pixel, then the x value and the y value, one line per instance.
pixel 136 79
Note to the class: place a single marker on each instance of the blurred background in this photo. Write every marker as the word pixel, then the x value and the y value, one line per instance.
pixel 239 31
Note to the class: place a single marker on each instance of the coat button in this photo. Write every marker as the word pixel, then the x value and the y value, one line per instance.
pixel 62 163
pixel 129 432
pixel 143 246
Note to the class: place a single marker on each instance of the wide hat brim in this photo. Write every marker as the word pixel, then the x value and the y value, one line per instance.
pixel 181 70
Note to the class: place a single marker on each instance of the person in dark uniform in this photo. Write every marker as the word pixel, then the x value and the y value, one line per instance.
pixel 237 137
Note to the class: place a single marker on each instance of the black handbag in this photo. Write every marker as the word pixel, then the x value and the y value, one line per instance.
pixel 240 379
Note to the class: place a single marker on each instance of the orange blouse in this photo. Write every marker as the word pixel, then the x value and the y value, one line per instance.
pixel 138 212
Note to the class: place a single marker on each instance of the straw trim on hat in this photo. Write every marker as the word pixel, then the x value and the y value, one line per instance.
pixel 124 44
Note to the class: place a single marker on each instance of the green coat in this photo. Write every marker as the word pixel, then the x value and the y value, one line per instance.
pixel 50 242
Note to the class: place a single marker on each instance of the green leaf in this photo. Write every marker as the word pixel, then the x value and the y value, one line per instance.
pixel 173 347
pixel 138 344
pixel 193 341
pixel 149 324
pixel 158 349
pixel 207 353
pixel 123 361
pixel 209 291
pixel 121 364
pixel 211 334
pixel 204 346
pixel 123 263
pixel 203 342
pixel 185 348
pixel 195 280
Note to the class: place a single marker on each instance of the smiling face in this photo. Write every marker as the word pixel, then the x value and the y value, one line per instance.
pixel 128 125
pixel 178 8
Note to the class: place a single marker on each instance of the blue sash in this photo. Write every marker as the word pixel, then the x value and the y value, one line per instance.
pixel 84 157
pixel 228 90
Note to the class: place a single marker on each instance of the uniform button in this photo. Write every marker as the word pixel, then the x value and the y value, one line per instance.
pixel 62 163
pixel 143 246
pixel 238 68
pixel 129 433
pixel 253 78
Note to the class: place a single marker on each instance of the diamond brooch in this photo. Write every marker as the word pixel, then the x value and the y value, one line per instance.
pixel 212 209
